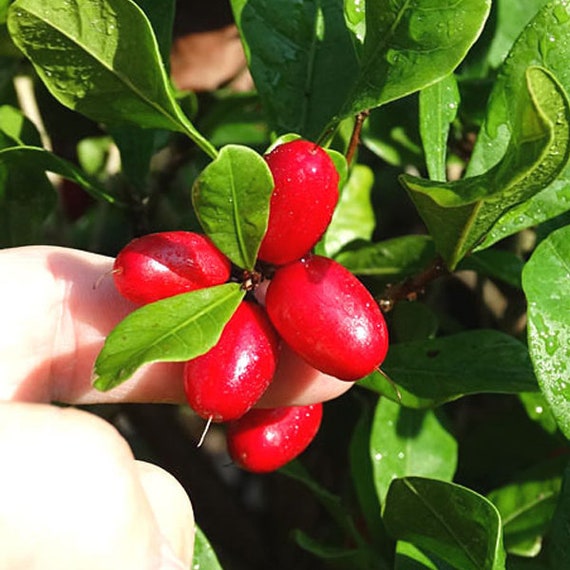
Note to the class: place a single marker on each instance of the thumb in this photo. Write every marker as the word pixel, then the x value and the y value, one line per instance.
pixel 173 513
pixel 71 493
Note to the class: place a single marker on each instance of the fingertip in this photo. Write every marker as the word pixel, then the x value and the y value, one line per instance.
pixel 173 513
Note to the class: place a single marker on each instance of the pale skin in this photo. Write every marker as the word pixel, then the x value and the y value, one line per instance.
pixel 71 493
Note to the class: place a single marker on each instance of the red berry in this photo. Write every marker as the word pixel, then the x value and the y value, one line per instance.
pixel 328 317
pixel 266 439
pixel 224 383
pixel 160 265
pixel 302 203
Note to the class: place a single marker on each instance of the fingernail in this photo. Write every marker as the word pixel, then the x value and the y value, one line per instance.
pixel 168 560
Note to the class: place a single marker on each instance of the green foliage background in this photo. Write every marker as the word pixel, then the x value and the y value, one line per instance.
pixel 454 213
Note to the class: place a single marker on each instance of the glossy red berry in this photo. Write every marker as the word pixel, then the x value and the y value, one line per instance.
pixel 302 203
pixel 160 265
pixel 266 439
pixel 328 317
pixel 224 383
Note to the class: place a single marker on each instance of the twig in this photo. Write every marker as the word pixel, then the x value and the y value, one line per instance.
pixel 410 288
pixel 355 136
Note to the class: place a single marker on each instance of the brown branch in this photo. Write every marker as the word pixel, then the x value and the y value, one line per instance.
pixel 409 289
pixel 355 136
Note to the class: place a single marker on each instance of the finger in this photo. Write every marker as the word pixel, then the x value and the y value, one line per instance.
pixel 171 507
pixel 297 383
pixel 58 305
pixel 71 488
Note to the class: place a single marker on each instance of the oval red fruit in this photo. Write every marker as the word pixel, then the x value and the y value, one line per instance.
pixel 266 439
pixel 328 317
pixel 224 383
pixel 160 265
pixel 304 197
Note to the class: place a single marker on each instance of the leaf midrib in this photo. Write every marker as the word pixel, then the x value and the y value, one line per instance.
pixel 140 353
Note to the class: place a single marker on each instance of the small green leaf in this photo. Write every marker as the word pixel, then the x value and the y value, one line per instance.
pixel 527 506
pixel 438 109
pixel 353 217
pixel 547 289
pixel 460 214
pixel 410 45
pixel 171 330
pixel 231 198
pixel 457 524
pixel 17 128
pixel 348 557
pixel 355 15
pixel 405 442
pixel 85 54
pixel 431 372
pixel 396 257
pixel 538 410
pixel 204 555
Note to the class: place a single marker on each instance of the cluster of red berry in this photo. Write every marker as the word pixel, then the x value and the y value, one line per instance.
pixel 313 304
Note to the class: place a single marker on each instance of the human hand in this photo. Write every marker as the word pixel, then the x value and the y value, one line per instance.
pixel 71 493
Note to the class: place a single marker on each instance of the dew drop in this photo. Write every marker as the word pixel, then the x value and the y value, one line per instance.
pixel 377 456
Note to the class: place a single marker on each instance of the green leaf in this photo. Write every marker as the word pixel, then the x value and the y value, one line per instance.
pixel 558 545
pixel 301 58
pixel 396 257
pixel 355 15
pixel 362 476
pixel 455 523
pixel 204 555
pixel 171 330
pixel 85 54
pixel 538 410
pixel 547 289
pixel 413 321
pixel 431 372
pixel 331 502
pixel 348 557
pixel 543 43
pixel 17 129
pixel 410 557
pixel 26 158
pixel 461 213
pixel 231 198
pixel 406 442
pixel 438 109
pixel 353 217
pixel 410 45
pixel 526 507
